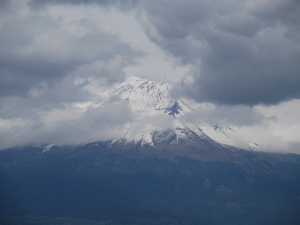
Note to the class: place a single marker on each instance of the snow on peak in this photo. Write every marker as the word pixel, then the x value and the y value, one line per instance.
pixel 156 111
pixel 145 96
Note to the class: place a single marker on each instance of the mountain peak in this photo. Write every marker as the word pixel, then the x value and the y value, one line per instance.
pixel 136 79
pixel 155 110
pixel 145 96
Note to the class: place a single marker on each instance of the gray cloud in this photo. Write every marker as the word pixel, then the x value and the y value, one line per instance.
pixel 65 125
pixel 47 65
pixel 4 4
pixel 243 52
pixel 105 123
pixel 124 4
pixel 230 115
pixel 39 48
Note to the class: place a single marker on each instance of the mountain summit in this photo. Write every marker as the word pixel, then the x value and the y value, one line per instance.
pixel 157 112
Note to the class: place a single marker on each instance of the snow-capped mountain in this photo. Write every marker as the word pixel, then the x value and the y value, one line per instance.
pixel 156 112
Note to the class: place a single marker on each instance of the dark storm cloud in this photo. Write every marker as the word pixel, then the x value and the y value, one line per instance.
pixel 243 52
pixel 121 3
pixel 4 4
pixel 37 48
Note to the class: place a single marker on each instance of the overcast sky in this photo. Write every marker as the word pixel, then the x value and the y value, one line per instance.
pixel 241 56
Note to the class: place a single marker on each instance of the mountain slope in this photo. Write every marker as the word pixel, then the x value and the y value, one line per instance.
pixel 165 170
pixel 194 182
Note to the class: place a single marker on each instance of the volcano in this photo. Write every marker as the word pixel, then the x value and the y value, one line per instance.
pixel 164 169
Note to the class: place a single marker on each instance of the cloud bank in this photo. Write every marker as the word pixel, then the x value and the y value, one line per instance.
pixel 243 52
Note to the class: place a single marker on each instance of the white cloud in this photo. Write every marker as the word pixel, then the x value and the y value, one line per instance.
pixel 278 130
pixel 72 124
